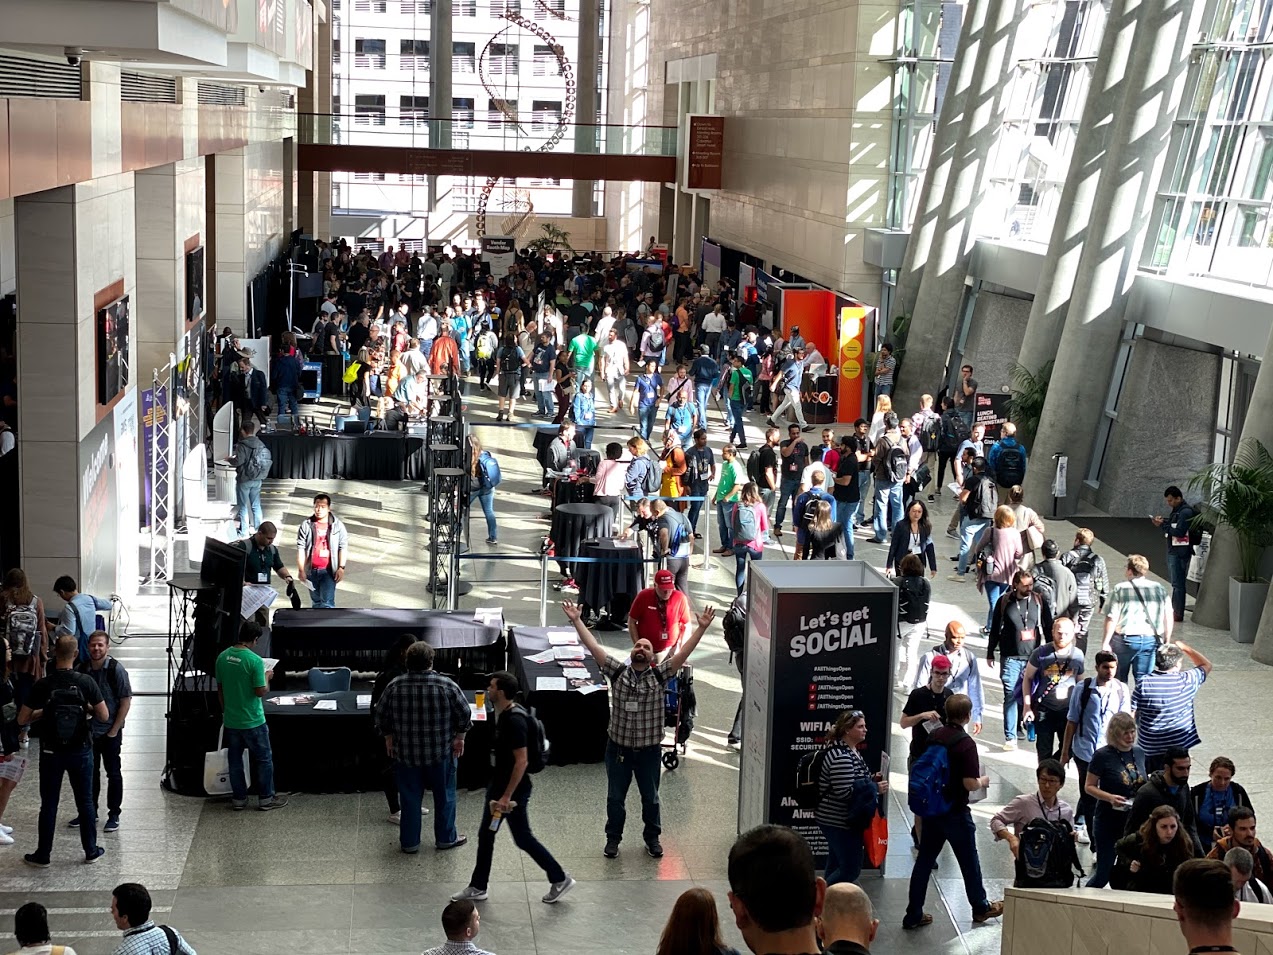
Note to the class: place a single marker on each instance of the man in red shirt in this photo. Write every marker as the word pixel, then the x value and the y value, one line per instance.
pixel 660 614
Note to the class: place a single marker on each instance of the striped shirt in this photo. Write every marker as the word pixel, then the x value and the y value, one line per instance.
pixel 1139 608
pixel 842 767
pixel 1164 710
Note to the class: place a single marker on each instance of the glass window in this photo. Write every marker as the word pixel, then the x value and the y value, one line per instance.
pixel 369 110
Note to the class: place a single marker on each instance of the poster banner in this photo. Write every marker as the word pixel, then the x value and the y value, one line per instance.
pixel 851 358
pixel 763 281
pixel 98 511
pixel 154 412
pixel 755 775
pixel 499 252
pixel 128 520
pixel 704 152
pixel 991 411
pixel 832 652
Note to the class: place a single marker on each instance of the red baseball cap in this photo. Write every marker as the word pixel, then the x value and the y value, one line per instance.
pixel 664 580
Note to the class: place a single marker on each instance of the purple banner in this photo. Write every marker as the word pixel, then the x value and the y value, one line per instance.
pixel 154 409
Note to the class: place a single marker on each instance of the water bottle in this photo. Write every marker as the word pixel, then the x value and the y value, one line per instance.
pixel 1030 731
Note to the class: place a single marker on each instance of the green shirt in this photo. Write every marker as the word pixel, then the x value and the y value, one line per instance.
pixel 582 350
pixel 239 673
pixel 728 488
pixel 736 378
pixel 261 560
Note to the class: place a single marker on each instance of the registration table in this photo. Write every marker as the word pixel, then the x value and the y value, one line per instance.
pixel 575 717
pixel 358 638
pixel 610 586
pixel 575 523
pixel 338 750
pixel 374 456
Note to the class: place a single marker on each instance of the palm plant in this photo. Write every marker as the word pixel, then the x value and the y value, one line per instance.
pixel 552 240
pixel 1240 495
pixel 1029 392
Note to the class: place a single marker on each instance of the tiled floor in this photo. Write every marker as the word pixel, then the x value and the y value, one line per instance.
pixel 325 875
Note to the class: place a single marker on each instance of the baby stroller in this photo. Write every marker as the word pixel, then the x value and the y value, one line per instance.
pixel 679 709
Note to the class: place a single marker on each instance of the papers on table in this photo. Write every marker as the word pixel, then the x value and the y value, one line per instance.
pixel 364 701
pixel 592 688
pixel 283 700
pixel 489 616
pixel 325 705
pixel 256 597
pixel 563 638
pixel 479 716
pixel 576 673
pixel 568 653
pixel 544 656
pixel 551 683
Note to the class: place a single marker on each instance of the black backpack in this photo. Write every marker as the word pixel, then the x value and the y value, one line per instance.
pixel 1083 568
pixel 734 625
pixel 1046 857
pixel 538 748
pixel 954 432
pixel 895 463
pixel 753 467
pixel 67 713
pixel 1046 589
pixel 930 434
pixel 984 499
pixel 808 773
pixel 509 363
pixel 1011 466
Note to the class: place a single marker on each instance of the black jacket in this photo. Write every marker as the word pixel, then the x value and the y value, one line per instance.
pixel 1156 793
pixel 1155 877
pixel 1008 622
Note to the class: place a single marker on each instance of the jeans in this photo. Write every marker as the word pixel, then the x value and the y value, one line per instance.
pixel 583 433
pixel 647 416
pixel 257 742
pixel 1107 829
pixel 413 781
pixel 1135 655
pixel 1010 670
pixel 487 499
pixel 737 425
pixel 864 495
pixel 616 389
pixel 79 767
pixel 1178 574
pixel 888 508
pixel 249 498
pixel 883 390
pixel 790 399
pixel 518 823
pixel 741 553
pixel 287 403
pixel 844 854
pixel 844 511
pixel 994 590
pixel 957 828
pixel 787 490
pixel 724 514
pixel 736 730
pixel 1086 807
pixel 969 528
pixel 967 416
pixel 543 396
pixel 622 764
pixel 702 394
pixel 106 751
pixel 697 489
pixel 1049 729
pixel 324 594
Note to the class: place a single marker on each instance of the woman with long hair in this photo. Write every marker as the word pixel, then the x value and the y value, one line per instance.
pixel 9 745
pixel 913 534
pixel 693 928
pixel 1029 524
pixel 1153 852
pixel 883 405
pixel 823 537
pixel 481 489
pixel 20 610
pixel 395 664
pixel 748 500
pixel 1113 776
pixel 850 797
pixel 1002 545
pixel 639 466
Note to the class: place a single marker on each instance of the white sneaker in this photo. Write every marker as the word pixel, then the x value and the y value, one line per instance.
pixel 395 818
pixel 469 894
pixel 1009 746
pixel 7 830
pixel 1081 836
pixel 6 839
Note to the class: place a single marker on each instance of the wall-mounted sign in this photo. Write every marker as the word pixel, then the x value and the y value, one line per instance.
pixel 704 152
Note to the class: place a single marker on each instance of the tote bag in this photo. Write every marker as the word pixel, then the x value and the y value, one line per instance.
pixel 216 768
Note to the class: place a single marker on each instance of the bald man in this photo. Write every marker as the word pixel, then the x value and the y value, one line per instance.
pixel 964 675
pixel 848 925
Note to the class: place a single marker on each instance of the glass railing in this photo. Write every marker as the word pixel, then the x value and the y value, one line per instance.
pixel 409 128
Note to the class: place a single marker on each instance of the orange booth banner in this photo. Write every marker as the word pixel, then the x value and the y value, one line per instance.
pixel 839 332
pixel 851 349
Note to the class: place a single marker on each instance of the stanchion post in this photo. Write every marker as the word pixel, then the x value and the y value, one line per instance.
pixel 707 542
pixel 543 588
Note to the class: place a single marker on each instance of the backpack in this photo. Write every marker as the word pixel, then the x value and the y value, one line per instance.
pixel 66 712
pixel 753 467
pixel 984 499
pixel 734 625
pixel 1011 466
pixel 930 780
pixel 808 773
pixel 484 349
pixel 1046 589
pixel 1046 857
pixel 1083 568
pixel 21 627
pixel 954 432
pixel 257 466
pixel 652 480
pixel 744 528
pixel 930 434
pixel 538 748
pixel 489 470
pixel 509 363
pixel 676 533
pixel 896 462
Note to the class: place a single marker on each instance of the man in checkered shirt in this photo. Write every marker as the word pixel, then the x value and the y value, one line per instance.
pixel 636 726
pixel 130 907
pixel 423 717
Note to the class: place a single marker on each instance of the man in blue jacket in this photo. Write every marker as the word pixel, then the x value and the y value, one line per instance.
pixel 1175 527
pixel 287 381
pixel 1007 460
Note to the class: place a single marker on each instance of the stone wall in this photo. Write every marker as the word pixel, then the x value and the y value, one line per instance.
pixel 994 338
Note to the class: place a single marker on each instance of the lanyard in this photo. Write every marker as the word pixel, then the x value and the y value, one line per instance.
pixel 1044 809
pixel 1025 615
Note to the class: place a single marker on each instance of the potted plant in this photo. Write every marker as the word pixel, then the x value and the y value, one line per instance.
pixel 1029 392
pixel 1240 496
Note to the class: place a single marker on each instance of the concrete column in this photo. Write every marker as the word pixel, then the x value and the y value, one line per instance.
pixel 227 212
pixel 8 267
pixel 77 484
pixel 440 51
pixel 945 140
pixel 587 134
pixel 1111 250
pixel 1094 152
pixel 941 289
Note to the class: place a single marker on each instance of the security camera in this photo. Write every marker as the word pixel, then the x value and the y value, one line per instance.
pixel 74 55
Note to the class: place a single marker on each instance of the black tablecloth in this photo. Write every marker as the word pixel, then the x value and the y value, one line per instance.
pixel 359 637
pixel 572 492
pixel 575 723
pixel 575 523
pixel 610 586
pixel 376 456
pixel 344 753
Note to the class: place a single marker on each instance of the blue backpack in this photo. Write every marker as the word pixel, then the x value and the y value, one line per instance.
pixel 489 467
pixel 929 793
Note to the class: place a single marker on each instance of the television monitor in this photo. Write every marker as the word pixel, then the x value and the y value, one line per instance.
pixel 112 350
pixel 223 564
pixel 311 380
pixel 194 284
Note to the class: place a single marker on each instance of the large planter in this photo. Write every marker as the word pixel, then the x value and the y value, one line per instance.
pixel 1246 604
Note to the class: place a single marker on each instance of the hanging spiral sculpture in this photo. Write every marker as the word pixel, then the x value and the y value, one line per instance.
pixel 565 70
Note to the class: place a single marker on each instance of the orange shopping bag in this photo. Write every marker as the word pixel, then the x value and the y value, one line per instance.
pixel 875 839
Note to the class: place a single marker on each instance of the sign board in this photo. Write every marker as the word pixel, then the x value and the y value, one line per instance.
pixel 851 360
pixel 763 281
pixel 498 251
pixel 990 411
pixel 704 152
pixel 821 640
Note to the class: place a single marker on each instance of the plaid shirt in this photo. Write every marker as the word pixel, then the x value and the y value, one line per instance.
pixel 424 713
pixel 636 702
pixel 1139 608
pixel 456 948
pixel 149 939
